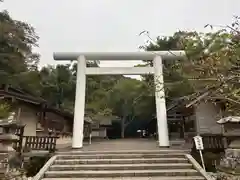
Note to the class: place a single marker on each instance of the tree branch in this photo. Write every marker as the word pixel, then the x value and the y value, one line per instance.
pixel 226 98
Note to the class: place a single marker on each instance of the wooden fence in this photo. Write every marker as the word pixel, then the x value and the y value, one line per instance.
pixel 213 142
pixel 216 142
pixel 214 149
pixel 47 143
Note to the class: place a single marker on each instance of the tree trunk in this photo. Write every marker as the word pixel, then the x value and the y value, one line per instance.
pixel 123 128
pixel 124 110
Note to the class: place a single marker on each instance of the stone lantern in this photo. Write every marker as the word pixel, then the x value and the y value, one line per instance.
pixel 7 138
pixel 7 135
pixel 231 130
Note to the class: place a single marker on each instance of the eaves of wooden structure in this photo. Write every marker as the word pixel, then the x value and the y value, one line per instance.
pixel 17 94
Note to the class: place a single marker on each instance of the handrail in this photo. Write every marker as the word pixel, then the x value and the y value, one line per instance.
pixel 42 171
pixel 197 167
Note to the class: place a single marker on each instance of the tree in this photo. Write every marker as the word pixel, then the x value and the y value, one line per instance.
pixel 58 84
pixel 16 55
pixel 18 68
pixel 214 63
pixel 173 78
pixel 175 84
pixel 125 98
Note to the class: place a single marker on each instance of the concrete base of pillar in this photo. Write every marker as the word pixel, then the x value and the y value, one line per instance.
pixel 76 149
pixel 164 147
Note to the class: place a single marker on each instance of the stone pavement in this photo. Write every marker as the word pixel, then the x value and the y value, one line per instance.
pixel 118 145
pixel 125 178
pixel 122 144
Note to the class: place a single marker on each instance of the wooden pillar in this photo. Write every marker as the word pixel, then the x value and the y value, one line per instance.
pixel 43 118
pixel 90 132
pixel 182 127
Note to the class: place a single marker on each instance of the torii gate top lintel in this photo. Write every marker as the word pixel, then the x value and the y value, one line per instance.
pixel 147 55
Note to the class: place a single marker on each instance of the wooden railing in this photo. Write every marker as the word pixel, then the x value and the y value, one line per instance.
pixel 35 142
pixel 216 142
pixel 212 142
pixel 47 143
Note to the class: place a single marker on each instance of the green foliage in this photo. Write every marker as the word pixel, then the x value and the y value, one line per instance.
pixel 4 109
pixel 58 85
pixel 16 56
pixel 213 61
pixel 33 166
pixel 126 95
pixel 129 100
pixel 173 77
pixel 210 159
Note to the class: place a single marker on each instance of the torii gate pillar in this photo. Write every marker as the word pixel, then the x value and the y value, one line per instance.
pixel 157 70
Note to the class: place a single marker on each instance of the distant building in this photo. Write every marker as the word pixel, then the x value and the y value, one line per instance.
pixel 192 115
pixel 39 118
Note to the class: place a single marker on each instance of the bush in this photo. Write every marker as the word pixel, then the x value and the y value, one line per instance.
pixel 34 165
pixel 211 160
pixel 4 110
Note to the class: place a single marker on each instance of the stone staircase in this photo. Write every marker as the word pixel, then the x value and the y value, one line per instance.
pixel 142 165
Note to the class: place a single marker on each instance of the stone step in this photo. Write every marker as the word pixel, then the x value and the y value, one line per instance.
pixel 3 156
pixel 160 151
pixel 121 173
pixel 118 156
pixel 121 161
pixel 135 178
pixel 120 167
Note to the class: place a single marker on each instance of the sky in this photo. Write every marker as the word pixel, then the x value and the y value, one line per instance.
pixel 114 25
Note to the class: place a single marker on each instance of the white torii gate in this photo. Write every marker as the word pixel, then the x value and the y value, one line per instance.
pixel 82 71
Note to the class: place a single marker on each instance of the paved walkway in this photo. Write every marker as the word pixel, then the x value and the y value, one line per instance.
pixel 122 144
pixel 118 145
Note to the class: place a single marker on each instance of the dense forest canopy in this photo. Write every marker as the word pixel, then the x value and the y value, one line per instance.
pixel 212 63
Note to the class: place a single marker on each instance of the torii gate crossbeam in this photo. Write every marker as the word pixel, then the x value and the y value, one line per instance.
pixel 82 71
